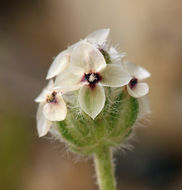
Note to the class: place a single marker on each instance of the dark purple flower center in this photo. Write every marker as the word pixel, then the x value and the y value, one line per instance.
pixel 52 98
pixel 133 82
pixel 92 78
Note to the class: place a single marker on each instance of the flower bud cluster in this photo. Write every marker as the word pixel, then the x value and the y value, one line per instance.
pixel 92 94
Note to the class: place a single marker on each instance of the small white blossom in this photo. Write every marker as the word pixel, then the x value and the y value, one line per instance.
pixel 135 87
pixel 89 73
pixel 62 60
pixel 51 108
pixel 115 56
pixel 99 37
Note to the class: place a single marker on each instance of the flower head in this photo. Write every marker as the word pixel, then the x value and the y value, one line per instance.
pixel 89 73
pixel 135 87
pixel 51 108
pixel 88 67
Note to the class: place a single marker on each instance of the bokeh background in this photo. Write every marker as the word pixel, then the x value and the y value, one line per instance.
pixel 32 32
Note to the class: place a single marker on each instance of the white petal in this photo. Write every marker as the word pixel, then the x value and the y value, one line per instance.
pixel 144 106
pixel 136 71
pixel 41 97
pixel 55 111
pixel 87 57
pixel 43 125
pixel 115 55
pixel 99 36
pixel 114 76
pixel 139 90
pixel 92 100
pixel 70 80
pixel 59 64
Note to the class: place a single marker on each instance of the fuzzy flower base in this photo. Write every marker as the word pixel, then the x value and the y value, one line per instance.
pixel 110 128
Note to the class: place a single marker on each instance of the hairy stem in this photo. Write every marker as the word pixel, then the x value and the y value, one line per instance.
pixel 104 169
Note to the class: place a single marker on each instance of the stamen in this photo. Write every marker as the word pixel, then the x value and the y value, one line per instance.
pixel 52 98
pixel 133 82
pixel 92 78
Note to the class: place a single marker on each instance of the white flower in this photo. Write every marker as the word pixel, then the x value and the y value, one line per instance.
pixel 62 60
pixel 135 87
pixel 115 56
pixel 90 73
pixel 99 37
pixel 51 108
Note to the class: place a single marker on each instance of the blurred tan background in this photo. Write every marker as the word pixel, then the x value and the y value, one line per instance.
pixel 32 32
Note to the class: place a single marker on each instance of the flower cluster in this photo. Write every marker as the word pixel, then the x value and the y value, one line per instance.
pixel 87 68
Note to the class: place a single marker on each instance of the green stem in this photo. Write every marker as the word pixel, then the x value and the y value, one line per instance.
pixel 104 169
